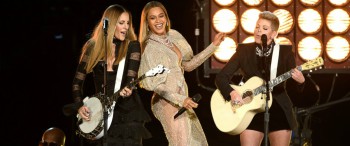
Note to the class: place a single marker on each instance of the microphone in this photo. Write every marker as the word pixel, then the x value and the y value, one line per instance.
pixel 264 42
pixel 105 24
pixel 195 98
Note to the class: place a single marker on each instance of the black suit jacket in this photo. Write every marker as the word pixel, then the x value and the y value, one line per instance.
pixel 245 61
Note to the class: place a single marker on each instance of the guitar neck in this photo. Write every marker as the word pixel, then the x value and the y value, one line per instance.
pixel 274 82
pixel 132 84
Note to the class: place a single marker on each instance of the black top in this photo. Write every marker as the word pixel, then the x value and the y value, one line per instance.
pixel 249 64
pixel 129 113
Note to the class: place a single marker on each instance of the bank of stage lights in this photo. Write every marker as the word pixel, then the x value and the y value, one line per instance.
pixel 314 27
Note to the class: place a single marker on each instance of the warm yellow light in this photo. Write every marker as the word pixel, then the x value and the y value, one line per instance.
pixel 338 49
pixel 279 40
pixel 309 48
pixel 283 41
pixel 338 21
pixel 310 2
pixel 249 39
pixel 226 49
pixel 225 2
pixel 248 20
pixel 253 2
pixel 225 20
pixel 339 2
pixel 281 2
pixel 310 21
pixel 286 20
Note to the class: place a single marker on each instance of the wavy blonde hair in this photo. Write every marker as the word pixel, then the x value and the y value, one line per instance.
pixel 97 40
pixel 144 29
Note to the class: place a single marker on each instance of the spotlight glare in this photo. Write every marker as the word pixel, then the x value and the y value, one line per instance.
pixel 310 2
pixel 282 2
pixel 286 20
pixel 309 48
pixel 338 21
pixel 253 2
pixel 249 19
pixel 225 2
pixel 249 39
pixel 225 20
pixel 226 49
pixel 283 41
pixel 338 49
pixel 310 21
pixel 339 2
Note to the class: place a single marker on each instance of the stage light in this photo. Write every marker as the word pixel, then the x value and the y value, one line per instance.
pixel 225 2
pixel 248 20
pixel 279 40
pixel 249 39
pixel 282 2
pixel 225 20
pixel 310 2
pixel 310 21
pixel 338 49
pixel 286 21
pixel 283 41
pixel 339 2
pixel 315 28
pixel 309 48
pixel 253 2
pixel 338 21
pixel 226 49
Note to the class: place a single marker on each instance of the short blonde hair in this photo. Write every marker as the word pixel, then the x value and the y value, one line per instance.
pixel 275 23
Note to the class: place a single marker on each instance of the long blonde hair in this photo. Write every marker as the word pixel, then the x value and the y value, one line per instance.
pixel 98 43
pixel 144 29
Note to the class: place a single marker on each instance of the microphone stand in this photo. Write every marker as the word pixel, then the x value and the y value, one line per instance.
pixel 267 94
pixel 202 7
pixel 105 111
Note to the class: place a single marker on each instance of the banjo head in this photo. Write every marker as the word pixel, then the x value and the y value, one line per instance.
pixel 96 115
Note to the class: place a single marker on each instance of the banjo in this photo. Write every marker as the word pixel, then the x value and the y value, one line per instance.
pixel 93 129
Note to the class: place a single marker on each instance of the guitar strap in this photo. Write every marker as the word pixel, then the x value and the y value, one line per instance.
pixel 274 62
pixel 118 80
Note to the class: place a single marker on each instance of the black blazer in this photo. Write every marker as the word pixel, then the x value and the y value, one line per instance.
pixel 245 61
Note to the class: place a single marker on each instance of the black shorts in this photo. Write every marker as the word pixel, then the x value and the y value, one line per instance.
pixel 278 120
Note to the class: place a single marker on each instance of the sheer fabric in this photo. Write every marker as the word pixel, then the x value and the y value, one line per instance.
pixel 127 126
pixel 170 89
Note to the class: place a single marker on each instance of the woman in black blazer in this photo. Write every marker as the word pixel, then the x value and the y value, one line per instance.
pixel 251 60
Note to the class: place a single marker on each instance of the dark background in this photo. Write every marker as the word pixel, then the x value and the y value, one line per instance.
pixel 41 46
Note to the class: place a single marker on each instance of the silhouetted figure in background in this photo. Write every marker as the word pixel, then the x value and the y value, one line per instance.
pixel 53 137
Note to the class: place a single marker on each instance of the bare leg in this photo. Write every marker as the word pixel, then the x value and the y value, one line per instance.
pixel 280 138
pixel 251 138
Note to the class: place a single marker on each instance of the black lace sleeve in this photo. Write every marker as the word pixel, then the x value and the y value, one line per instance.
pixel 134 55
pixel 79 78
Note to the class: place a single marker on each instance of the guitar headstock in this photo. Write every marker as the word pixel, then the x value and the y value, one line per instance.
pixel 318 62
pixel 157 70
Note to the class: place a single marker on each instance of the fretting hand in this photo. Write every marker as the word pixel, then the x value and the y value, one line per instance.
pixel 298 76
pixel 126 92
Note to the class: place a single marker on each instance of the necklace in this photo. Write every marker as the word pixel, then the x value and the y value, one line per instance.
pixel 163 40
pixel 261 53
